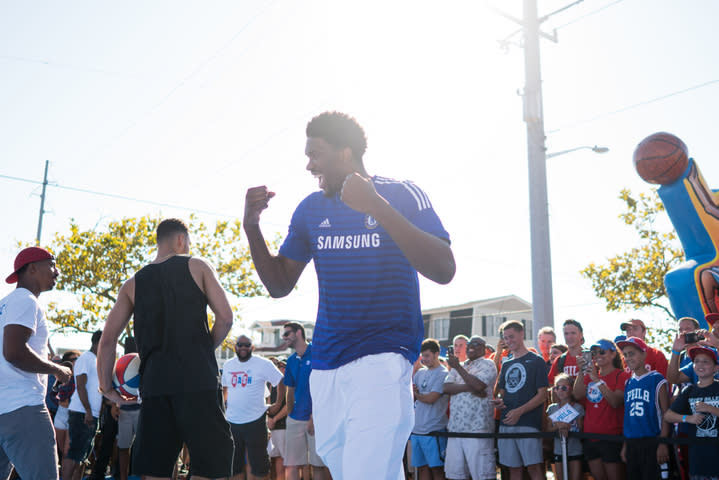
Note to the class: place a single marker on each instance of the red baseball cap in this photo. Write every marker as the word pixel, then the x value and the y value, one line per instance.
pixel 633 341
pixel 28 255
pixel 711 318
pixel 694 351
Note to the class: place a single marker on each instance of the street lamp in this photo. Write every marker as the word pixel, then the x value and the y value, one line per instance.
pixel 542 295
pixel 595 149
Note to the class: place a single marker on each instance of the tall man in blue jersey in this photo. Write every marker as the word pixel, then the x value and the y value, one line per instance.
pixel 368 237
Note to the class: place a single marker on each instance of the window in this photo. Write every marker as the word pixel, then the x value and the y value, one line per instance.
pixel 440 328
pixel 490 325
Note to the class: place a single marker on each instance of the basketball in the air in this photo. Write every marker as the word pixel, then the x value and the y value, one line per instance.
pixel 126 376
pixel 661 158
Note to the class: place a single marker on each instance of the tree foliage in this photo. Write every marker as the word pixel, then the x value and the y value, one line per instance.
pixel 94 264
pixel 635 279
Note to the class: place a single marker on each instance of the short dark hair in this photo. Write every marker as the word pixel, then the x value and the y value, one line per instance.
pixel 69 354
pixel 571 321
pixel 513 324
pixel 560 346
pixel 339 130
pixel 96 337
pixel 169 227
pixel 295 326
pixel 430 344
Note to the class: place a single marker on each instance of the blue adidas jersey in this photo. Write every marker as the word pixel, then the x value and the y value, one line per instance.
pixel 642 415
pixel 368 291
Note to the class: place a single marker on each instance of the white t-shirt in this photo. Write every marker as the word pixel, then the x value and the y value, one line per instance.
pixel 245 382
pixel 87 364
pixel 17 387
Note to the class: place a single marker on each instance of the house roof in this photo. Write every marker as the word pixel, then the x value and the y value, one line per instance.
pixel 504 304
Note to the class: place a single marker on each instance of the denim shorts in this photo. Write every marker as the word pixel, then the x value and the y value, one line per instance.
pixel 82 436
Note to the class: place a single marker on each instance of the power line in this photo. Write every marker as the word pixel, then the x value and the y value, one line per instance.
pixel 116 196
pixel 633 106
pixel 589 14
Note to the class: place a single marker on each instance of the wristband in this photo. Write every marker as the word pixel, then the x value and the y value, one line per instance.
pixel 684 419
pixel 674 352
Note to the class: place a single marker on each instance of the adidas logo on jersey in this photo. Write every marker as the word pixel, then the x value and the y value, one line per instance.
pixel 325 223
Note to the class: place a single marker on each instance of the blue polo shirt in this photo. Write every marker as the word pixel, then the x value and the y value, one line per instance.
pixel 367 288
pixel 297 375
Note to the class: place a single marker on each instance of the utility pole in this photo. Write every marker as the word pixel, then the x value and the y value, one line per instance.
pixel 42 205
pixel 542 296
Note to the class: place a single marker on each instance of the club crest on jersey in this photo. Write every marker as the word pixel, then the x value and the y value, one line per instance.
pixel 370 223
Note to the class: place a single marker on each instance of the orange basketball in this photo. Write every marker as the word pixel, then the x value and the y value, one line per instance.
pixel 661 158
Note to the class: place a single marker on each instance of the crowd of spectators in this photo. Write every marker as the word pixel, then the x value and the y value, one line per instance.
pixel 620 395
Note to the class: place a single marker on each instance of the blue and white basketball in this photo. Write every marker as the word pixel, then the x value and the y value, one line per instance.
pixel 126 376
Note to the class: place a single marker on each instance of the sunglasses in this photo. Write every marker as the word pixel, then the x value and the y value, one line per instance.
pixel 248 345
pixel 561 388
pixel 286 334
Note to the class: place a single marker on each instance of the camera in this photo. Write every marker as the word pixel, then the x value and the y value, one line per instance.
pixel 450 350
pixel 693 337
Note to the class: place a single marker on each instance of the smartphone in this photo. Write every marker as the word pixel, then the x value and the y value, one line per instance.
pixel 587 355
pixel 450 350
pixel 693 337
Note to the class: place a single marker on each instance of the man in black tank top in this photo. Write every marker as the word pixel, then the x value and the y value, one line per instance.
pixel 179 383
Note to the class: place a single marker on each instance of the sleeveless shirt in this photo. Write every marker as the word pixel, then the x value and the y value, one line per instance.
pixel 173 337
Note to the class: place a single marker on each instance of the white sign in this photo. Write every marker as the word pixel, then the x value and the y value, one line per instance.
pixel 565 414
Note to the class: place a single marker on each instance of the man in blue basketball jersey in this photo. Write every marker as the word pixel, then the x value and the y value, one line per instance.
pixel 368 237
pixel 645 401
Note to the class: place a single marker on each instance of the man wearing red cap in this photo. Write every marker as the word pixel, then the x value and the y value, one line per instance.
pixel 27 438
pixel 655 358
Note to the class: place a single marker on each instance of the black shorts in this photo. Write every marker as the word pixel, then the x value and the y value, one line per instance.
pixel 558 458
pixel 608 452
pixel 195 418
pixel 642 458
pixel 253 437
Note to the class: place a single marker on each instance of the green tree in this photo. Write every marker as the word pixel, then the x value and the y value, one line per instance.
pixel 635 279
pixel 95 263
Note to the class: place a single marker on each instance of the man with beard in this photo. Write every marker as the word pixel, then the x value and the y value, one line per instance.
pixel 243 385
pixel 469 385
pixel 368 237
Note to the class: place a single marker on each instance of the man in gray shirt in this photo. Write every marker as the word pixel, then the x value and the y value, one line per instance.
pixel 430 410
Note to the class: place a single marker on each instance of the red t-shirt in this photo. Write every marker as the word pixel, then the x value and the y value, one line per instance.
pixel 570 367
pixel 599 416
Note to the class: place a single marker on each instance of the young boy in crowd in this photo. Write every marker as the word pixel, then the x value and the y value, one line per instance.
pixel 645 401
pixel 698 406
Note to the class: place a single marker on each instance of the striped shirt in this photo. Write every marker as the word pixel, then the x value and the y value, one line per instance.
pixel 368 291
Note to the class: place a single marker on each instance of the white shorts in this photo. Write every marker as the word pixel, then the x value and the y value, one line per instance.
pixel 364 413
pixel 467 457
pixel 61 417
pixel 276 443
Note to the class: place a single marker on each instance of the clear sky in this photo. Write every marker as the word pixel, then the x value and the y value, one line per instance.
pixel 189 103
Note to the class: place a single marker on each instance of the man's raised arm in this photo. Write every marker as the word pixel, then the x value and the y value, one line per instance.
pixel 279 274
pixel 429 255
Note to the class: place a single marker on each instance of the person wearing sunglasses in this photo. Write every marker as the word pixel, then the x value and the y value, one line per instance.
pixel 602 394
pixel 244 381
pixel 562 390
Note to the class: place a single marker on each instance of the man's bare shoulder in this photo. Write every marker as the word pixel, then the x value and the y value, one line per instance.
pixel 200 264
pixel 128 290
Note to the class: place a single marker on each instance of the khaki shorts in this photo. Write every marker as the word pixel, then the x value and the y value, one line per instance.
pixel 300 445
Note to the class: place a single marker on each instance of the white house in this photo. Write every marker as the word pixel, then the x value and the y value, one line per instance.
pixel 480 317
